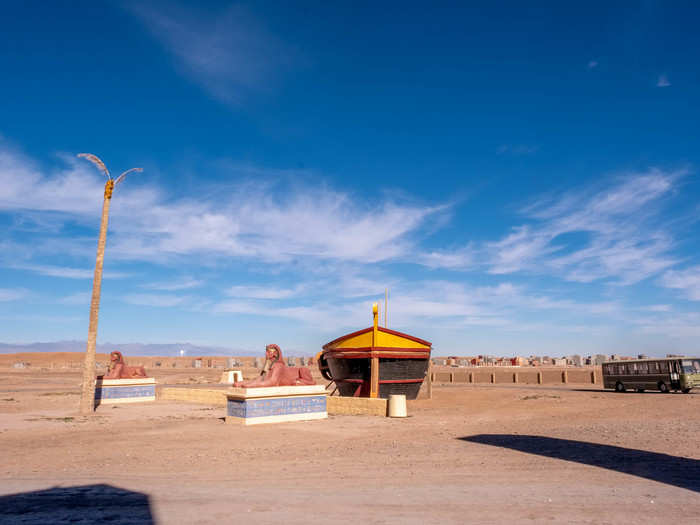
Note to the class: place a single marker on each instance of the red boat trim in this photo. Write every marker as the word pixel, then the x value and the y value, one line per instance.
pixel 358 391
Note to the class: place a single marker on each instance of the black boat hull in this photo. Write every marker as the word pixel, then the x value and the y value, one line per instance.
pixel 396 376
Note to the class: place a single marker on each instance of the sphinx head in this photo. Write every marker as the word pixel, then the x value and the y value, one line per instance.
pixel 273 354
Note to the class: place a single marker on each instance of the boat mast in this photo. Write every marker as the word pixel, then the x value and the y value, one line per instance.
pixel 374 361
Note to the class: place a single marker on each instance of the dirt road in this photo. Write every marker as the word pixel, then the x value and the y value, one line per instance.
pixel 472 454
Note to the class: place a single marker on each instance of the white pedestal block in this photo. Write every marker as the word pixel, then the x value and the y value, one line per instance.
pixel 252 406
pixel 125 390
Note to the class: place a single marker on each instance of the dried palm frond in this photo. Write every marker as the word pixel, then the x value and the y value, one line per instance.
pixel 96 161
pixel 121 177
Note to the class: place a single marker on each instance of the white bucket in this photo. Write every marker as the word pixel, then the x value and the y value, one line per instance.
pixel 397 405
pixel 231 376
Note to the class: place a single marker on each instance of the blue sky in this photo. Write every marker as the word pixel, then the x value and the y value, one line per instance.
pixel 523 180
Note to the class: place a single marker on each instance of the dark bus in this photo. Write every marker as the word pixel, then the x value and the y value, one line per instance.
pixel 664 374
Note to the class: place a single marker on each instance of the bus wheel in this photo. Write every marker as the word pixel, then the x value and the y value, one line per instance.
pixel 619 387
pixel 686 390
pixel 663 387
pixel 640 390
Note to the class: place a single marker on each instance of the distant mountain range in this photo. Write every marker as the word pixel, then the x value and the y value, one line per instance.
pixel 128 349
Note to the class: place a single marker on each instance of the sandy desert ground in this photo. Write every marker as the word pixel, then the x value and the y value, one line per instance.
pixel 472 454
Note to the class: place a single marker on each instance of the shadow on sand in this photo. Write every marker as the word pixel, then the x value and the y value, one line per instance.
pixel 673 470
pixel 81 504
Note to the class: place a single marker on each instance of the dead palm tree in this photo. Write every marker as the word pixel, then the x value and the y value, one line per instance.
pixel 87 398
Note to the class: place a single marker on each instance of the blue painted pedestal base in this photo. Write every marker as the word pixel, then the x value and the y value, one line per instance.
pixel 125 390
pixel 251 406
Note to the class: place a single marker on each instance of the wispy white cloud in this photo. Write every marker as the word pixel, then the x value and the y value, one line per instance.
pixel 35 318
pixel 12 294
pixel 24 186
pixel 502 301
pixel 625 260
pixel 160 300
pixel 21 248
pixel 684 326
pixel 688 281
pixel 461 258
pixel 658 308
pixel 330 238
pixel 259 219
pixel 274 226
pixel 263 292
pixel 350 285
pixel 77 298
pixel 320 315
pixel 624 243
pixel 663 81
pixel 227 51
pixel 610 233
pixel 519 249
pixel 426 304
pixel 66 272
pixel 175 285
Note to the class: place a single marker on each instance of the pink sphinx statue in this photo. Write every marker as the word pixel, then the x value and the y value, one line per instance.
pixel 276 373
pixel 119 370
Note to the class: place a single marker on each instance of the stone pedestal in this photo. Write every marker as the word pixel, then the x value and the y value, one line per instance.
pixel 252 406
pixel 109 391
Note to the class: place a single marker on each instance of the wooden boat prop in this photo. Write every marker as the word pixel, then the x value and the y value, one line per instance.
pixel 376 362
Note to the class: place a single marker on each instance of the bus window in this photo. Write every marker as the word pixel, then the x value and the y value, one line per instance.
pixel 654 367
pixel 663 366
pixel 691 366
pixel 643 368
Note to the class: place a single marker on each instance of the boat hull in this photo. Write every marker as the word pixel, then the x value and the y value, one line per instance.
pixel 396 375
